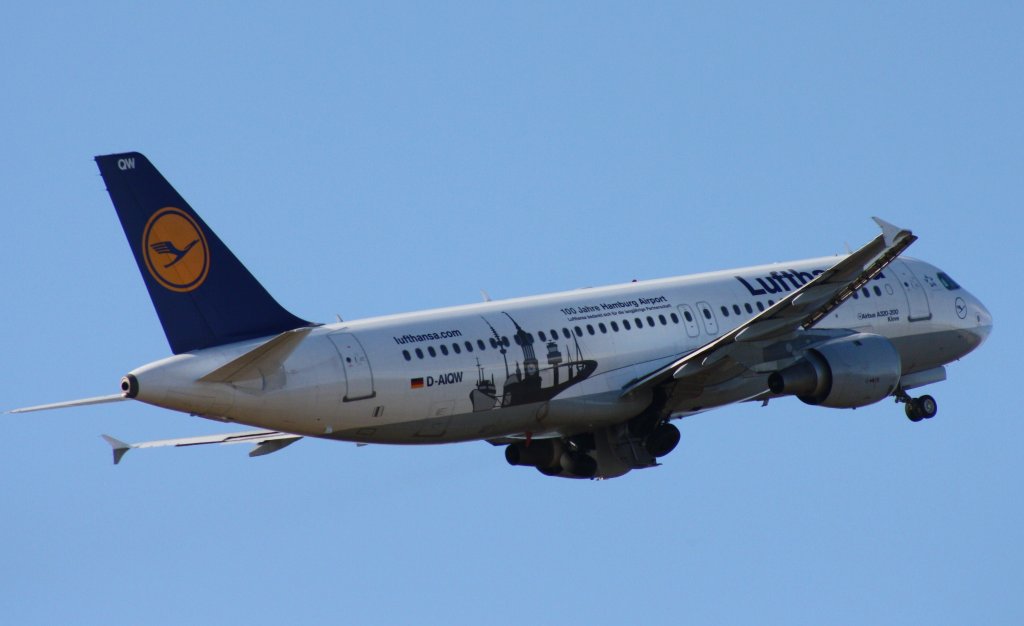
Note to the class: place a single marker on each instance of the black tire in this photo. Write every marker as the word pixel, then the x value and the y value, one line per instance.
pixel 913 410
pixel 927 406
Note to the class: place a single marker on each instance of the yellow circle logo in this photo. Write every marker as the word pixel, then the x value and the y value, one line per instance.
pixel 175 250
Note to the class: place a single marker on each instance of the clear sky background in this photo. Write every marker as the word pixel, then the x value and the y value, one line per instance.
pixel 379 158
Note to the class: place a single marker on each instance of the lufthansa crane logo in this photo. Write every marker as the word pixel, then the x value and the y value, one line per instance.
pixel 175 250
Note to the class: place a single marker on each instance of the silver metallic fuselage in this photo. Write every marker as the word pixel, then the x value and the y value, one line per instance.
pixel 365 381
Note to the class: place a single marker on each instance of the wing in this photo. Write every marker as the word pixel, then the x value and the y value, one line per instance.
pixel 266 441
pixel 760 343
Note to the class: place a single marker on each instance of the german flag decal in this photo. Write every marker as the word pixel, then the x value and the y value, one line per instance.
pixel 416 383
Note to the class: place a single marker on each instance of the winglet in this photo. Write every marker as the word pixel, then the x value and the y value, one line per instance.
pixel 890 232
pixel 120 447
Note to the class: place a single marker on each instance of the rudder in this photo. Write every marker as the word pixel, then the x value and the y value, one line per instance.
pixel 202 293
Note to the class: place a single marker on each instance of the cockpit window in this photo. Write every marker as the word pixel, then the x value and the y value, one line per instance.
pixel 947 282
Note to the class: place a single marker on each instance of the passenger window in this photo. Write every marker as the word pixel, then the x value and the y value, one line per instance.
pixel 867 294
pixel 469 346
pixel 419 353
pixel 625 324
pixel 480 344
pixel 747 306
pixel 540 333
pixel 638 323
pixel 707 313
pixel 457 349
pixel 675 318
pixel 686 314
pixel 650 321
pixel 444 349
pixel 736 309
pixel 877 291
pixel 566 334
pixel 601 327
pixel 431 351
pixel 405 353
pixel 725 311
pixel 760 306
pixel 504 341
pixel 615 326
pixel 579 331
pixel 590 329
pixel 661 318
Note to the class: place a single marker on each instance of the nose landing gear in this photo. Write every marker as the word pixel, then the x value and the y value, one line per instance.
pixel 917 409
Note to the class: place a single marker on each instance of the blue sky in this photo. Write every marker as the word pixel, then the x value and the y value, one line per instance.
pixel 377 158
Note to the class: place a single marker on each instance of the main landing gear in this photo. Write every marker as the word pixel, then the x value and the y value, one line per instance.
pixel 917 409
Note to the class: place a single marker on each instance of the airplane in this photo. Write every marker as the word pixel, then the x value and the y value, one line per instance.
pixel 578 384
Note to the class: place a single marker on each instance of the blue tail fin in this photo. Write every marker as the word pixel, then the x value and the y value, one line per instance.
pixel 203 295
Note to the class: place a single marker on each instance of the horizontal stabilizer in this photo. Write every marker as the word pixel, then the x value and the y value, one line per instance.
pixel 63 405
pixel 260 361
pixel 266 441
pixel 120 447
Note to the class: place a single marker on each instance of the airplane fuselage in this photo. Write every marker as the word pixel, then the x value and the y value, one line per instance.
pixel 550 364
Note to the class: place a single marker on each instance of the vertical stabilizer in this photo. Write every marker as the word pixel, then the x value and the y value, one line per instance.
pixel 202 293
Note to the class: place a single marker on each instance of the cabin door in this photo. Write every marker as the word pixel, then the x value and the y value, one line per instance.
pixel 917 300
pixel 358 374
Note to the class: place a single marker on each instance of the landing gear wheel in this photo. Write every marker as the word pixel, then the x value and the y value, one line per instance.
pixel 927 406
pixel 913 409
pixel 662 441
pixel 922 408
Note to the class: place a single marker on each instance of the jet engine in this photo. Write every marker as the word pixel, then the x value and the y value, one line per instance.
pixel 843 373
pixel 552 457
pixel 604 453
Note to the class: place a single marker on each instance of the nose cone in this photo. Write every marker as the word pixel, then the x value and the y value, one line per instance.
pixel 979 320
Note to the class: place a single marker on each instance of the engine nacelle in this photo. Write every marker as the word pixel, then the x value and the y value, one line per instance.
pixel 603 453
pixel 843 373
pixel 553 458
